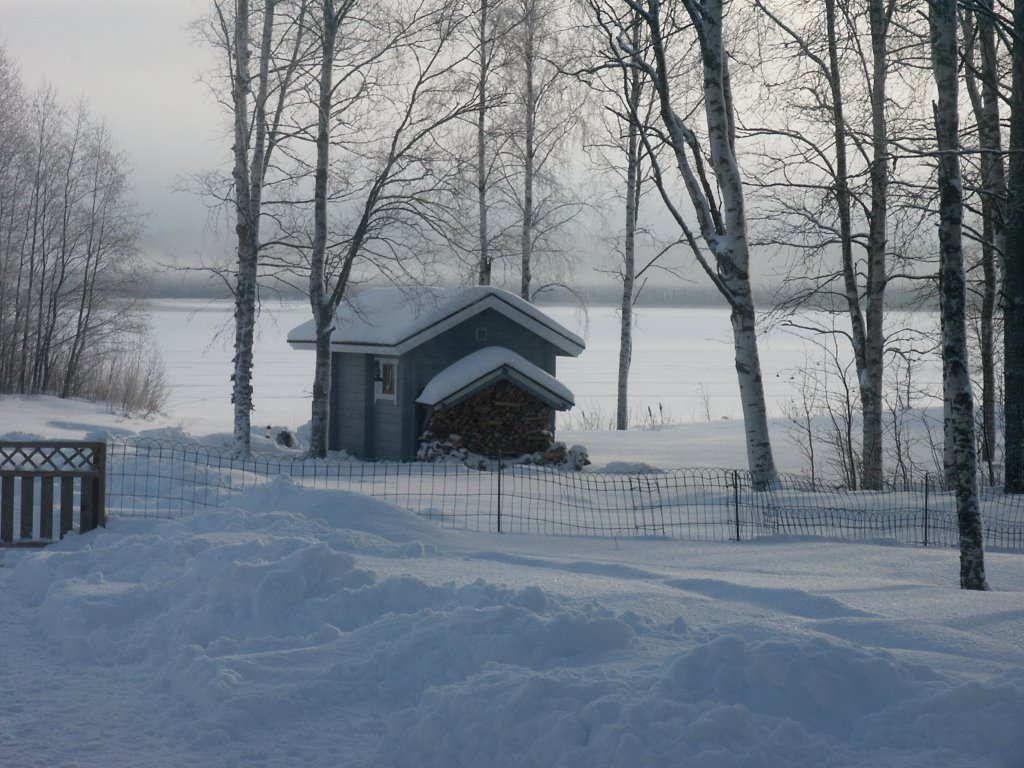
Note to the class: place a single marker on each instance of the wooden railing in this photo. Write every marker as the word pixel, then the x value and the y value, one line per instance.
pixel 36 474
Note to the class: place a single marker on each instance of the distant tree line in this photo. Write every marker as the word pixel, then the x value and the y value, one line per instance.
pixel 69 256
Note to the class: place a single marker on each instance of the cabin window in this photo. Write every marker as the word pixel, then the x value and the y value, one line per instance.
pixel 385 378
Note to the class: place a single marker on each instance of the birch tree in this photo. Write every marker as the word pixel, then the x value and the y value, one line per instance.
pixel 981 79
pixel 1013 284
pixel 486 238
pixel 880 13
pixel 628 104
pixel 331 18
pixel 491 25
pixel 952 287
pixel 827 129
pixel 721 219
pixel 258 97
pixel 484 26
pixel 394 95
pixel 544 109
pixel 632 94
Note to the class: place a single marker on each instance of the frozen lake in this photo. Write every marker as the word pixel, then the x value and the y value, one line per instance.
pixel 682 364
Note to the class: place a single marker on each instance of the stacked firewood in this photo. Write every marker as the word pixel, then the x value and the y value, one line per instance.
pixel 502 420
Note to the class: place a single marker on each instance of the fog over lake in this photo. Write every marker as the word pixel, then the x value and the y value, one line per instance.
pixel 682 367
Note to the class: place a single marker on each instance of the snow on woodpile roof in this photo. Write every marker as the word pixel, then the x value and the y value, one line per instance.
pixel 479 369
pixel 395 320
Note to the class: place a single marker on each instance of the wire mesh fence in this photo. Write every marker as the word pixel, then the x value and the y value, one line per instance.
pixel 157 478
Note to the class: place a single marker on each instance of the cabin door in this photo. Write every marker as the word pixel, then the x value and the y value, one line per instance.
pixel 385 415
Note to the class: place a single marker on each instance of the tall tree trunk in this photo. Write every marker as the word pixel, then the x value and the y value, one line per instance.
pixel 247 231
pixel 256 136
pixel 633 182
pixel 953 295
pixel 484 259
pixel 993 210
pixel 879 14
pixel 985 104
pixel 321 404
pixel 724 229
pixel 1013 284
pixel 40 197
pixel 529 141
pixel 323 308
pixel 858 333
pixel 628 283
pixel 990 293
pixel 732 250
pixel 748 372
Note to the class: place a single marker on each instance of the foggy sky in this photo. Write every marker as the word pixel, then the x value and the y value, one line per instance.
pixel 136 65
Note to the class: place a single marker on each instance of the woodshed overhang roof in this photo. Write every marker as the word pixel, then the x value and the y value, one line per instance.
pixel 485 367
pixel 392 321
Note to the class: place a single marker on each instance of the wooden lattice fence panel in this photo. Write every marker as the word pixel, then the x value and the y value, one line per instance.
pixel 33 475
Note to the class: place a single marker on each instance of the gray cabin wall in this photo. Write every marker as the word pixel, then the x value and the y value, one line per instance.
pixel 412 414
pixel 351 383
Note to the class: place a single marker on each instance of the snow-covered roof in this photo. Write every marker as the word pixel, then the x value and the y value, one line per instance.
pixel 395 320
pixel 479 369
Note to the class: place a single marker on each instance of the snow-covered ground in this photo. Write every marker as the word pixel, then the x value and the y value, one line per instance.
pixel 318 628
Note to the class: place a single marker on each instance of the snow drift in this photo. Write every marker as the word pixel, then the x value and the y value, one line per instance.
pixel 322 628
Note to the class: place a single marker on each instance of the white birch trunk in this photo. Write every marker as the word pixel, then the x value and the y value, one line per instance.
pixel 247 230
pixel 255 137
pixel 629 247
pixel 628 284
pixel 724 231
pixel 956 372
pixel 731 247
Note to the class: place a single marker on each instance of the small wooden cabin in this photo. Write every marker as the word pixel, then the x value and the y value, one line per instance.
pixel 408 360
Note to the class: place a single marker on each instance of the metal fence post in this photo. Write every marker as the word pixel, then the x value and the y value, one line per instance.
pixel 736 500
pixel 927 477
pixel 499 493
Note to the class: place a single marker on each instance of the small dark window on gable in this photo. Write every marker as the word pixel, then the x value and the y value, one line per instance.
pixel 481 334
